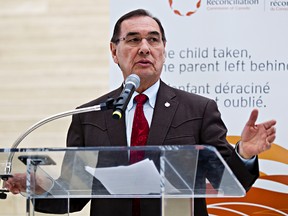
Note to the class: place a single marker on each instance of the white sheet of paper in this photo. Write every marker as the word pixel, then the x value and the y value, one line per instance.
pixel 139 178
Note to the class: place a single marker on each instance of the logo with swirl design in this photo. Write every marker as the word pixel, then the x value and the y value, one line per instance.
pixel 184 7
pixel 269 194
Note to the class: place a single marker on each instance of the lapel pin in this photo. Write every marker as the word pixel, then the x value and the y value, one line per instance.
pixel 167 104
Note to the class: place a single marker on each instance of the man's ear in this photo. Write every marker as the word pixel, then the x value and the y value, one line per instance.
pixel 113 49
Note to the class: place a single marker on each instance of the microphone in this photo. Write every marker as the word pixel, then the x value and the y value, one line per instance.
pixel 132 82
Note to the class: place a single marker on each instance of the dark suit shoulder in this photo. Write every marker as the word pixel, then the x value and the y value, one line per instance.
pixel 184 97
pixel 190 95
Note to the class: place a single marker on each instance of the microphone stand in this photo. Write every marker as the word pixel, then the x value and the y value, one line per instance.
pixel 109 104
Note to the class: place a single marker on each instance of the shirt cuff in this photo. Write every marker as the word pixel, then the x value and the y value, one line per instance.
pixel 249 163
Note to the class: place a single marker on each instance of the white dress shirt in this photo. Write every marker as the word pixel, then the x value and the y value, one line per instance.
pixel 148 108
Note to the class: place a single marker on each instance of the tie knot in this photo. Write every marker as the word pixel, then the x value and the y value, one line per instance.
pixel 141 99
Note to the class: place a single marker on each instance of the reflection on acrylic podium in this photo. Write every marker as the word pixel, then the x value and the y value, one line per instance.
pixel 170 173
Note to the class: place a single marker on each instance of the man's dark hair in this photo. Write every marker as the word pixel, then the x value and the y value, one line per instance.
pixel 134 13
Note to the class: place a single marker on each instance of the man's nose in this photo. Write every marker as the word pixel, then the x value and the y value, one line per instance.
pixel 144 47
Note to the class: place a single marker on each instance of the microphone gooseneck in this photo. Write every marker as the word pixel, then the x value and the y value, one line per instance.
pixel 8 168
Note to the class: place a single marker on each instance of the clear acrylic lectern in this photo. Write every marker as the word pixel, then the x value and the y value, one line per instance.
pixel 166 172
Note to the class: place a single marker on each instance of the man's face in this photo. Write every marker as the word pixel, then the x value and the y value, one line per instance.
pixel 140 50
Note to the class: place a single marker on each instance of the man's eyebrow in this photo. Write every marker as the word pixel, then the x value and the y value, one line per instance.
pixel 137 33
pixel 154 33
pixel 132 33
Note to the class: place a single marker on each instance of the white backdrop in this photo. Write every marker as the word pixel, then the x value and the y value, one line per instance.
pixel 233 51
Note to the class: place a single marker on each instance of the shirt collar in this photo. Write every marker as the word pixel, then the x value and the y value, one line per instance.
pixel 151 93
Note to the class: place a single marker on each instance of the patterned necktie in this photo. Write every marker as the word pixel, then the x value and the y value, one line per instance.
pixel 140 130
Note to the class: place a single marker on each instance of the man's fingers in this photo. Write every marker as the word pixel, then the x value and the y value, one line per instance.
pixel 269 124
pixel 271 131
pixel 271 138
pixel 253 118
pixel 15 191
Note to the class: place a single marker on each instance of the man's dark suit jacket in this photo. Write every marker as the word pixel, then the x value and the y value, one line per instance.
pixel 190 119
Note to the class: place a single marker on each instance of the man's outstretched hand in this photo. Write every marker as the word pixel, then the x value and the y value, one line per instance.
pixel 256 138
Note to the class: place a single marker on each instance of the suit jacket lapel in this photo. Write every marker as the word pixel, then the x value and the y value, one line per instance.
pixel 116 128
pixel 165 108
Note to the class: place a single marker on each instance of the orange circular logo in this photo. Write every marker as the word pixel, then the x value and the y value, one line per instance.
pixel 184 7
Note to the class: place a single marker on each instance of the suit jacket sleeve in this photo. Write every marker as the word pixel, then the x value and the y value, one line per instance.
pixel 214 132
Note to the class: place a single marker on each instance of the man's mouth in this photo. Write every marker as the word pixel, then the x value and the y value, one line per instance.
pixel 144 62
